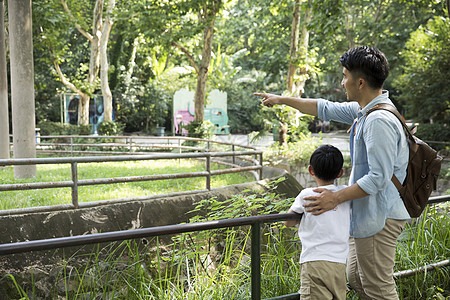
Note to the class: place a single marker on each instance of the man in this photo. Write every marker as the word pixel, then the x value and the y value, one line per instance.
pixel 378 149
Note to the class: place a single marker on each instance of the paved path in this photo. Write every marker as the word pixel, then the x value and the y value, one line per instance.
pixel 337 139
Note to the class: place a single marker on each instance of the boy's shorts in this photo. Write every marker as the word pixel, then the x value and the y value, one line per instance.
pixel 323 280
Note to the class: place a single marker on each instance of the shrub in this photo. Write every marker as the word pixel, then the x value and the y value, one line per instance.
pixel 437 132
pixel 57 128
pixel 142 107
pixel 201 130
pixel 110 128
pixel 298 151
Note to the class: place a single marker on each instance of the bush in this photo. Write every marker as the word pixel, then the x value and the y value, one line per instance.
pixel 200 130
pixel 434 132
pixel 57 128
pixel 142 107
pixel 299 151
pixel 110 128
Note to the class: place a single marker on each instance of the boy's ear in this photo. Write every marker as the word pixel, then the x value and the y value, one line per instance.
pixel 310 170
pixel 340 173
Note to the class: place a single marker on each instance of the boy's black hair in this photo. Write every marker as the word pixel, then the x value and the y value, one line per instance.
pixel 367 62
pixel 326 162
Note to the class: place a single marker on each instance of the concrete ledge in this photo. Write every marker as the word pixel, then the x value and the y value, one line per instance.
pixel 115 217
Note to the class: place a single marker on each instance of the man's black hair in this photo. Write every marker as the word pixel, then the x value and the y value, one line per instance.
pixel 327 162
pixel 367 62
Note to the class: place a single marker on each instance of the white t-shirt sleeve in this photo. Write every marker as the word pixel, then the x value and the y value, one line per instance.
pixel 297 206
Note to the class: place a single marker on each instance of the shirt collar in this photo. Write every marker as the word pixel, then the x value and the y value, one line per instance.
pixel 383 98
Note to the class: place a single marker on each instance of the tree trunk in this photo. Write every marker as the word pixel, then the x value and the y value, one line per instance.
pixel 282 133
pixel 297 71
pixel 202 76
pixel 94 63
pixel 22 84
pixel 293 53
pixel 4 114
pixel 106 91
pixel 447 2
pixel 299 87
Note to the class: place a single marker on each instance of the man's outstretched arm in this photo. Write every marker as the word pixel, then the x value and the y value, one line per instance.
pixel 304 105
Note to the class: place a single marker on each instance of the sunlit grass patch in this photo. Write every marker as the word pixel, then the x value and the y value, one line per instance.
pixel 86 171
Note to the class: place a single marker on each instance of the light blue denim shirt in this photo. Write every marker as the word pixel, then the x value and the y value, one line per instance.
pixel 378 149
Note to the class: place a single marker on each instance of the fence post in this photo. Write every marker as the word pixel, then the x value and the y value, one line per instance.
pixel 256 261
pixel 234 156
pixel 131 144
pixel 208 169
pixel 261 164
pixel 75 184
pixel 71 146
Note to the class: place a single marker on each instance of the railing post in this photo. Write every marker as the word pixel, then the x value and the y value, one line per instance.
pixel 234 156
pixel 71 146
pixel 208 169
pixel 75 184
pixel 261 164
pixel 131 144
pixel 256 261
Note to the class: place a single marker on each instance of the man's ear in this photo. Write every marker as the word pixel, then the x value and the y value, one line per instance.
pixel 340 173
pixel 310 170
pixel 362 82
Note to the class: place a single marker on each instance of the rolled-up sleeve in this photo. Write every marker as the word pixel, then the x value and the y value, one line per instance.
pixel 381 146
pixel 344 112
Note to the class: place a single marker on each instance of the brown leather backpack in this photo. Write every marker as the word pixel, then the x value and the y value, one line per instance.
pixel 423 169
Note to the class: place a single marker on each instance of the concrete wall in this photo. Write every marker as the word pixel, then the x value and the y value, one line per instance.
pixel 123 216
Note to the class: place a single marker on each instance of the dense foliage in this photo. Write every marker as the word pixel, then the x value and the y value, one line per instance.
pixel 155 46
pixel 426 72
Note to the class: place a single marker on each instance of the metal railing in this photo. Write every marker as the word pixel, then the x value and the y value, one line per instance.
pixel 255 222
pixel 70 144
pixel 75 182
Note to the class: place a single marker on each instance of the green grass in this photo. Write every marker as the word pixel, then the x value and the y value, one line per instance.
pixel 62 172
pixel 425 242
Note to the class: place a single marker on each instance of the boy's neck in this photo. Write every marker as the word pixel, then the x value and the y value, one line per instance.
pixel 321 182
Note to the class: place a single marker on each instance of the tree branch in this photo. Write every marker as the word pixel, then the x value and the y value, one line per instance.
pixel 63 78
pixel 188 55
pixel 77 26
pixel 65 81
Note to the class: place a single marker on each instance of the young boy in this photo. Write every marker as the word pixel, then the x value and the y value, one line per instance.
pixel 324 237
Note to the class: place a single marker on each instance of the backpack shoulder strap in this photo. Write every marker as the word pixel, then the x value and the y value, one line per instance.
pixel 392 109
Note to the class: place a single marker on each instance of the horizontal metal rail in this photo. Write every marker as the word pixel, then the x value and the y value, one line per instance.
pixel 80 240
pixel 61 207
pixel 438 199
pixel 54 243
pixel 75 183
pixel 430 267
pixel 131 141
pixel 97 159
pixel 254 221
pixel 98 181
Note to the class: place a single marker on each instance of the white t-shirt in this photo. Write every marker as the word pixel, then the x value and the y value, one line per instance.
pixel 325 236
